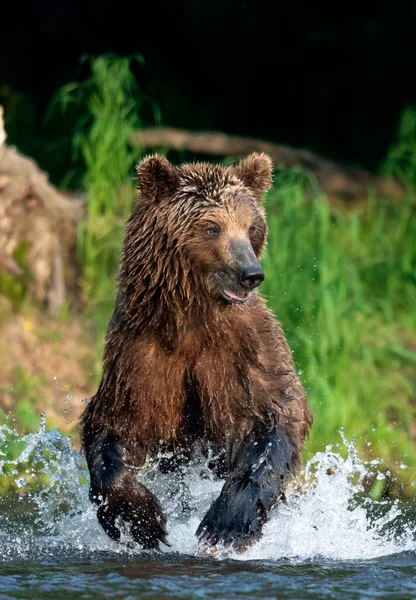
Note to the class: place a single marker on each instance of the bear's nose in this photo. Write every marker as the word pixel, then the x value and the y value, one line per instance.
pixel 252 277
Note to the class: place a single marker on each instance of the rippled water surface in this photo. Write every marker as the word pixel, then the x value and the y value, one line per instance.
pixel 328 541
pixel 181 576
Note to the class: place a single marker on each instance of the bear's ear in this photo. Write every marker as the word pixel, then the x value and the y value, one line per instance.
pixel 156 177
pixel 255 172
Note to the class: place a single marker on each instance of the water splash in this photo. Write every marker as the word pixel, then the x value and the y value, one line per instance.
pixel 327 516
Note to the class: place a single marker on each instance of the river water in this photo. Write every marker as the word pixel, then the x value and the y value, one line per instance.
pixel 328 541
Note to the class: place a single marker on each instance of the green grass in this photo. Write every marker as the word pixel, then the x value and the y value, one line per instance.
pixel 24 390
pixel 13 287
pixel 344 287
pixel 400 161
pixel 111 100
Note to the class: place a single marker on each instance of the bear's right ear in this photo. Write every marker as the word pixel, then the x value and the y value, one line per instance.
pixel 156 178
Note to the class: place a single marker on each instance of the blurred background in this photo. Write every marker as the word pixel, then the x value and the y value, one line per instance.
pixel 329 93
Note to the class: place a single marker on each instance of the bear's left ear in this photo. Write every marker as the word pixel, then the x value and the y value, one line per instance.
pixel 255 172
pixel 156 177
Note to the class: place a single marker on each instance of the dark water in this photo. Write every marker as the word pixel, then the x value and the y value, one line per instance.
pixel 328 541
pixel 178 576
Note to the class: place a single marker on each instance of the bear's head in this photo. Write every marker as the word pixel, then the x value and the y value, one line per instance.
pixel 197 232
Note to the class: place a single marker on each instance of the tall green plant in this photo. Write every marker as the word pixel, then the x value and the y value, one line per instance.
pixel 400 161
pixel 343 286
pixel 111 100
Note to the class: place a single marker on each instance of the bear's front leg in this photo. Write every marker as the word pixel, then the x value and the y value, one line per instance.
pixel 255 483
pixel 124 504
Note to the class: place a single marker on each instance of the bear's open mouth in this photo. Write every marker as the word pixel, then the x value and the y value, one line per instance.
pixel 234 296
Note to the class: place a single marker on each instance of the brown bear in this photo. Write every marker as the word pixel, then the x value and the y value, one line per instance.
pixel 192 354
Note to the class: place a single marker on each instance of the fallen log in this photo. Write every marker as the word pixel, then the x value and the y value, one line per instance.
pixel 43 220
pixel 350 185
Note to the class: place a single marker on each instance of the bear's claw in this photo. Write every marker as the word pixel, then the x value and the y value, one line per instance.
pixel 135 512
pixel 239 532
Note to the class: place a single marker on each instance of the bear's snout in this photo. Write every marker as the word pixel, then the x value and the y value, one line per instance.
pixel 245 274
pixel 250 273
pixel 251 277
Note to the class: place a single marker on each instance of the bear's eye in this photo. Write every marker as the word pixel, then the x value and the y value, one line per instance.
pixel 212 230
pixel 252 230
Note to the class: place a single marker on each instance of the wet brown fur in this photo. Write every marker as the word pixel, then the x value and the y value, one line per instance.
pixel 179 363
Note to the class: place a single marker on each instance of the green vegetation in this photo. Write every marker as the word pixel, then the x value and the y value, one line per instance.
pixel 111 101
pixel 15 288
pixel 344 287
pixel 25 391
pixel 342 284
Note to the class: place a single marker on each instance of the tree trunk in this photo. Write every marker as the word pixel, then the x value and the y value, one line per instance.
pixel 340 183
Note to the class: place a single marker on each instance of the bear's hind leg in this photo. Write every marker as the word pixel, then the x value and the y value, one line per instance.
pixel 124 504
pixel 255 483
